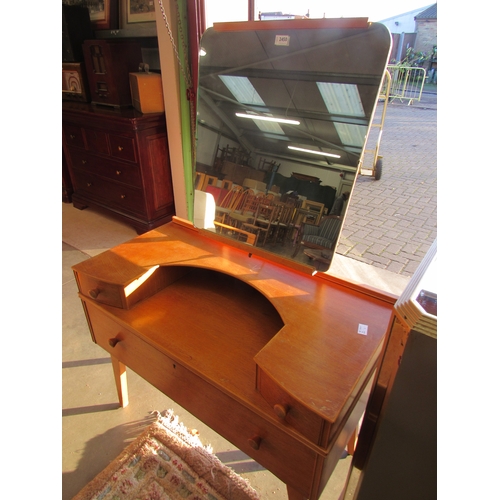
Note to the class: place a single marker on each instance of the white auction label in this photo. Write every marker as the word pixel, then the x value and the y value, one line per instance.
pixel 282 40
pixel 363 329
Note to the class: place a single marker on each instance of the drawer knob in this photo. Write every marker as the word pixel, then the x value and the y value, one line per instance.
pixel 72 136
pixel 112 342
pixel 84 162
pixel 94 292
pixel 120 148
pixel 123 196
pixel 281 410
pixel 118 172
pixel 89 184
pixel 255 442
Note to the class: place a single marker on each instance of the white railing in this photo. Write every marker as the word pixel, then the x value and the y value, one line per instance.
pixel 406 83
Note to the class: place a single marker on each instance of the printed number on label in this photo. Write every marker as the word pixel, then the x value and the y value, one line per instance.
pixel 282 40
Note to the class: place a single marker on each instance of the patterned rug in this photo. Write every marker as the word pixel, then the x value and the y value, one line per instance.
pixel 167 462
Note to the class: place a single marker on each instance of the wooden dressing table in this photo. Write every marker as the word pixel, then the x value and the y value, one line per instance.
pixel 272 358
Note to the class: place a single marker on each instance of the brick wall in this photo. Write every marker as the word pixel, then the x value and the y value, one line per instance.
pixel 426 35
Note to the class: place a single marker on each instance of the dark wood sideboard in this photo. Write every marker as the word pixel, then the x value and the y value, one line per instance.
pixel 118 160
pixel 276 360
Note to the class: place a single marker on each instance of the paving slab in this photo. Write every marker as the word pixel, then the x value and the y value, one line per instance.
pixel 392 222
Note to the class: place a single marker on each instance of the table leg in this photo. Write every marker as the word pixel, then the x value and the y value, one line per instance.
pixel 351 444
pixel 120 373
pixel 294 494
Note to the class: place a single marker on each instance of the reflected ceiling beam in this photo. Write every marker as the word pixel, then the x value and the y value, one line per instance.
pixel 325 165
pixel 269 60
pixel 285 75
pixel 238 132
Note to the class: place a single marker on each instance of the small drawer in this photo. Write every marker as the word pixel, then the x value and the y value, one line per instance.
pixel 122 147
pixel 290 411
pixel 73 136
pixel 118 171
pixel 105 293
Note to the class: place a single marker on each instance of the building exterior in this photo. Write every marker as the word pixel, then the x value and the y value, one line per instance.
pixel 403 23
pixel 416 29
pixel 426 28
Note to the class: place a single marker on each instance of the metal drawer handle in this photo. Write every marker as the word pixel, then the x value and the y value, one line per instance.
pixel 112 342
pixel 118 172
pixel 94 292
pixel 123 196
pixel 255 442
pixel 120 148
pixel 281 410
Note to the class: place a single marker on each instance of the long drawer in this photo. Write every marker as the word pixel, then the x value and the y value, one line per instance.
pixel 267 443
pixel 126 173
pixel 120 196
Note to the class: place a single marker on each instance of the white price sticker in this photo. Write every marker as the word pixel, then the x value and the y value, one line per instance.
pixel 282 40
pixel 363 329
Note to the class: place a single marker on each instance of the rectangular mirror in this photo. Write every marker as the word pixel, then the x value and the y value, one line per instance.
pixel 283 115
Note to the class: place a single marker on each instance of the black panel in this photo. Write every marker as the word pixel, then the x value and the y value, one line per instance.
pixel 76 28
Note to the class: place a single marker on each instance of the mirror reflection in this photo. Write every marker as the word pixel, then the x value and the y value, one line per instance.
pixel 284 110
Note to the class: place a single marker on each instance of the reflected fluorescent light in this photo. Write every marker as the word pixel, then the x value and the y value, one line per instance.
pixel 321 153
pixel 203 52
pixel 268 119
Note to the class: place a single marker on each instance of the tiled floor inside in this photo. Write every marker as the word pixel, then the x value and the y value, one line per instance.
pixel 94 428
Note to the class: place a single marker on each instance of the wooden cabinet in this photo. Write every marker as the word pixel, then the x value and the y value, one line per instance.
pixel 118 160
pixel 270 358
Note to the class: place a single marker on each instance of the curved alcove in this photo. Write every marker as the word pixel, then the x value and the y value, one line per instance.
pixel 212 320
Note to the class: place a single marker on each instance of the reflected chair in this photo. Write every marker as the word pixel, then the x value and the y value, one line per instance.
pixel 247 213
pixel 314 208
pixel 233 200
pixel 262 222
pixel 199 180
pixel 282 224
pixel 322 236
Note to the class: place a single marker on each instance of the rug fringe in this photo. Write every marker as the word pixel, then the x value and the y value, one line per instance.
pixel 171 421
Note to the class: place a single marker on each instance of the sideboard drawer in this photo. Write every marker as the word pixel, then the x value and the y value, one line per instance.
pixel 126 173
pixel 73 135
pixel 97 141
pixel 122 147
pixel 120 196
pixel 259 438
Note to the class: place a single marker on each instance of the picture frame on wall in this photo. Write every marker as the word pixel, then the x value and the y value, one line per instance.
pixel 103 13
pixel 140 11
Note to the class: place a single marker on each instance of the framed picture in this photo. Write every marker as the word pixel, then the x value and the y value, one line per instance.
pixel 140 11
pixel 103 13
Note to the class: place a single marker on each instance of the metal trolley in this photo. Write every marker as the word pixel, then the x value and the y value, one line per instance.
pixel 376 167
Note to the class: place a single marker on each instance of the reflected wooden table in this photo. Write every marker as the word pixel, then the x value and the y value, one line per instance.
pixel 322 258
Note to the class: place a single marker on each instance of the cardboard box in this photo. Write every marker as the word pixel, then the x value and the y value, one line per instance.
pixel 147 92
